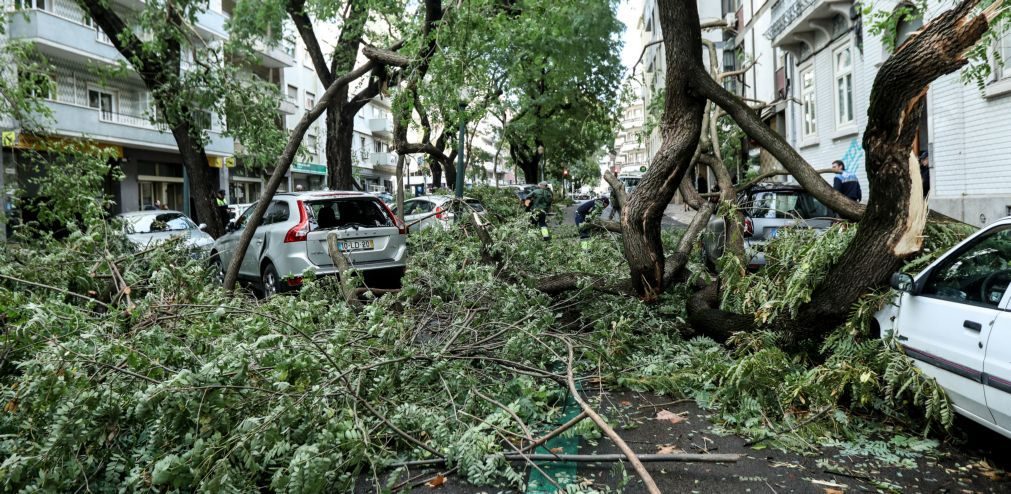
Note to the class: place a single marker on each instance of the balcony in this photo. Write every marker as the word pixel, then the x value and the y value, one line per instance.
pixel 803 26
pixel 122 129
pixel 381 127
pixel 287 107
pixel 276 57
pixel 379 159
pixel 57 35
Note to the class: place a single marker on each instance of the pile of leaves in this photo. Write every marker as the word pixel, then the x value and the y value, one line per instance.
pixel 125 369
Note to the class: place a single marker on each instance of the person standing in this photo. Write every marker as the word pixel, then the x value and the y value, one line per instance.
pixel 925 172
pixel 539 203
pixel 222 206
pixel 846 181
pixel 589 208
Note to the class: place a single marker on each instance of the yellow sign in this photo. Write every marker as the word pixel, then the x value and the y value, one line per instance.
pixel 23 141
pixel 216 161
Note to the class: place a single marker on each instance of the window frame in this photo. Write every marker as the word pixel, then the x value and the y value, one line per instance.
pixel 805 102
pixel 947 260
pixel 113 99
pixel 841 120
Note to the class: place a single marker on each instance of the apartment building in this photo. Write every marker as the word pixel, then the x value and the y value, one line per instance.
pixel 117 112
pixel 652 68
pixel 630 143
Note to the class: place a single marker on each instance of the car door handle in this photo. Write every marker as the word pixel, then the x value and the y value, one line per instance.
pixel 973 325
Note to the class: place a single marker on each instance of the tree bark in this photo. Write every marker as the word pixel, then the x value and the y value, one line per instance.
pixel 681 126
pixel 159 71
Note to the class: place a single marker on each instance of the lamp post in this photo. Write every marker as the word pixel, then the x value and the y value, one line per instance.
pixel 541 163
pixel 464 96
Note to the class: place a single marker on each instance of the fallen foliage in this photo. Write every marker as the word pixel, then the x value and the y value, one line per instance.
pixel 165 381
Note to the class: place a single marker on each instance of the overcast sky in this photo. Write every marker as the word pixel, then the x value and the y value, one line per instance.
pixel 628 13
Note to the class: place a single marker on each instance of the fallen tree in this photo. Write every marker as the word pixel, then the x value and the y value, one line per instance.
pixel 889 228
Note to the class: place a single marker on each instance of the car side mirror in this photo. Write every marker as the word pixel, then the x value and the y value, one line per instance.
pixel 902 282
pixel 202 226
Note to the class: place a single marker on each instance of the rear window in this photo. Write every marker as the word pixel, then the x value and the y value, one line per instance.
pixel 475 204
pixel 342 213
pixel 785 205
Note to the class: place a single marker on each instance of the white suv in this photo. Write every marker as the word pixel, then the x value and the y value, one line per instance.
pixel 291 240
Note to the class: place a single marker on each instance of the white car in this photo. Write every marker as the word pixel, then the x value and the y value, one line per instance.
pixel 954 320
pixel 433 211
pixel 148 228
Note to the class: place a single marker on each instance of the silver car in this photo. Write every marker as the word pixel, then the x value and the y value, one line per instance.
pixel 148 228
pixel 768 209
pixel 434 211
pixel 292 239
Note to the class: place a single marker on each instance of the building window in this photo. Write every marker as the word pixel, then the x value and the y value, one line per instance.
pixel 310 100
pixel 29 4
pixel 807 100
pixel 1003 58
pixel 37 84
pixel 312 142
pixel 843 86
pixel 102 101
pixel 292 94
pixel 380 146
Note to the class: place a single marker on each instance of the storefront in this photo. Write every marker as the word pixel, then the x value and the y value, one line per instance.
pixel 308 176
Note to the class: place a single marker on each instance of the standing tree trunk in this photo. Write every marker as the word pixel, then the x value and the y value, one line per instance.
pixel 680 128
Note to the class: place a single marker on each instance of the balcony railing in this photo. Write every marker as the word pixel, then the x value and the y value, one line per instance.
pixel 788 11
pixel 131 120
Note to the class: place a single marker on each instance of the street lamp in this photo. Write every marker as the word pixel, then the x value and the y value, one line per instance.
pixel 541 163
pixel 464 97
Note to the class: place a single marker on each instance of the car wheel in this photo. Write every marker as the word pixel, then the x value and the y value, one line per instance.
pixel 219 269
pixel 270 281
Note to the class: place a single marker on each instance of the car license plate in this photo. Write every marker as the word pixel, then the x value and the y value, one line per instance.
pixel 353 245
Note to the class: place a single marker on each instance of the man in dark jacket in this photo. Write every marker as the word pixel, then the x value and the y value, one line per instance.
pixel 593 206
pixel 846 181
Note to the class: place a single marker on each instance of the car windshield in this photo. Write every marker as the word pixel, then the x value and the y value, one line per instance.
pixel 785 204
pixel 153 223
pixel 475 204
pixel 340 213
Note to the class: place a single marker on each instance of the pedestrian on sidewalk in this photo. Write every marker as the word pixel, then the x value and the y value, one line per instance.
pixel 539 203
pixel 846 181
pixel 588 209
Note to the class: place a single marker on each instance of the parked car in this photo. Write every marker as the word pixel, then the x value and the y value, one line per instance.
pixel 386 197
pixel 768 210
pixel 418 212
pixel 147 228
pixel 954 320
pixel 236 210
pixel 292 239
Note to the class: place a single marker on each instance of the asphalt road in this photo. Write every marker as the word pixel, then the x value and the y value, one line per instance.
pixel 972 460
